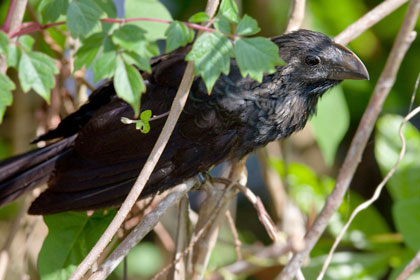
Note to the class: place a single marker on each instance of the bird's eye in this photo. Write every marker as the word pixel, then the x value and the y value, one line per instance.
pixel 312 60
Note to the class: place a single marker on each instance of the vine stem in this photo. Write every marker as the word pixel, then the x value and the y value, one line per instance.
pixel 30 27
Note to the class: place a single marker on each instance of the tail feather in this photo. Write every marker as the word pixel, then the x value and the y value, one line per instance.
pixel 25 172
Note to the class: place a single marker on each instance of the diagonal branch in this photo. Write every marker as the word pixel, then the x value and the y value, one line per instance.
pixel 176 109
pixel 354 154
pixel 368 20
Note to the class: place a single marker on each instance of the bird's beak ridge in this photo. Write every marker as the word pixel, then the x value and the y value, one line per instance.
pixel 348 66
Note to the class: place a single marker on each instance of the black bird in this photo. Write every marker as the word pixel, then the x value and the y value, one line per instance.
pixel 97 158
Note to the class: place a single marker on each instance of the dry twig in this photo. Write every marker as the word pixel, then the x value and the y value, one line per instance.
pixel 353 157
pixel 368 20
pixel 409 269
pixel 235 234
pixel 297 15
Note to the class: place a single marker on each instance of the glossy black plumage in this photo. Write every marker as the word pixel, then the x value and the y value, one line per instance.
pixel 98 158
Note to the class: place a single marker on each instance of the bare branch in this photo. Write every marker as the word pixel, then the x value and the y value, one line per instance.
pixel 368 20
pixel 353 157
pixel 235 234
pixel 251 263
pixel 137 234
pixel 183 237
pixel 375 196
pixel 263 215
pixel 297 15
pixel 409 269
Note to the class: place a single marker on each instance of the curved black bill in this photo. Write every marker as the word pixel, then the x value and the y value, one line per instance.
pixel 348 66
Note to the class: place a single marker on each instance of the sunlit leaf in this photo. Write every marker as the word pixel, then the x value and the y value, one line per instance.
pixel 83 17
pixel 256 56
pixel 6 98
pixel 89 50
pixel 149 9
pixel 104 67
pixel 178 34
pixel 51 10
pixel 26 42
pixel 247 26
pixel 129 37
pixel 36 71
pixel 4 42
pixel 70 237
pixel 129 84
pixel 199 17
pixel 211 54
pixel 229 10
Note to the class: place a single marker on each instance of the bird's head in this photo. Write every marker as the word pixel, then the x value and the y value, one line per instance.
pixel 315 58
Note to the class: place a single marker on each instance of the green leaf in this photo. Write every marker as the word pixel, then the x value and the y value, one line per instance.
pixel 36 71
pixel 349 265
pixel 88 50
pixel 129 37
pixel 143 123
pixel 178 34
pixel 247 26
pixel 256 56
pixel 104 67
pixel 146 259
pixel 128 84
pixel 222 24
pixel 404 183
pixel 26 42
pixel 330 131
pixel 211 54
pixel 4 42
pixel 13 56
pixel 229 9
pixel 51 10
pixel 199 17
pixel 108 7
pixel 83 17
pixel 139 61
pixel 71 235
pixel 6 98
pixel 149 9
pixel 407 220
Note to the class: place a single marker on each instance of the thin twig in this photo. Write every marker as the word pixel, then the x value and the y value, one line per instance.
pixel 235 234
pixel 216 196
pixel 183 237
pixel 375 196
pixel 297 15
pixel 256 261
pixel 409 269
pixel 262 213
pixel 137 234
pixel 368 20
pixel 210 221
pixel 354 154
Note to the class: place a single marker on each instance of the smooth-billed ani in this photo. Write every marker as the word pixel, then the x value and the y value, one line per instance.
pixel 97 158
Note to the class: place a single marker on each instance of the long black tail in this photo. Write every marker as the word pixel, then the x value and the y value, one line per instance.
pixel 23 173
